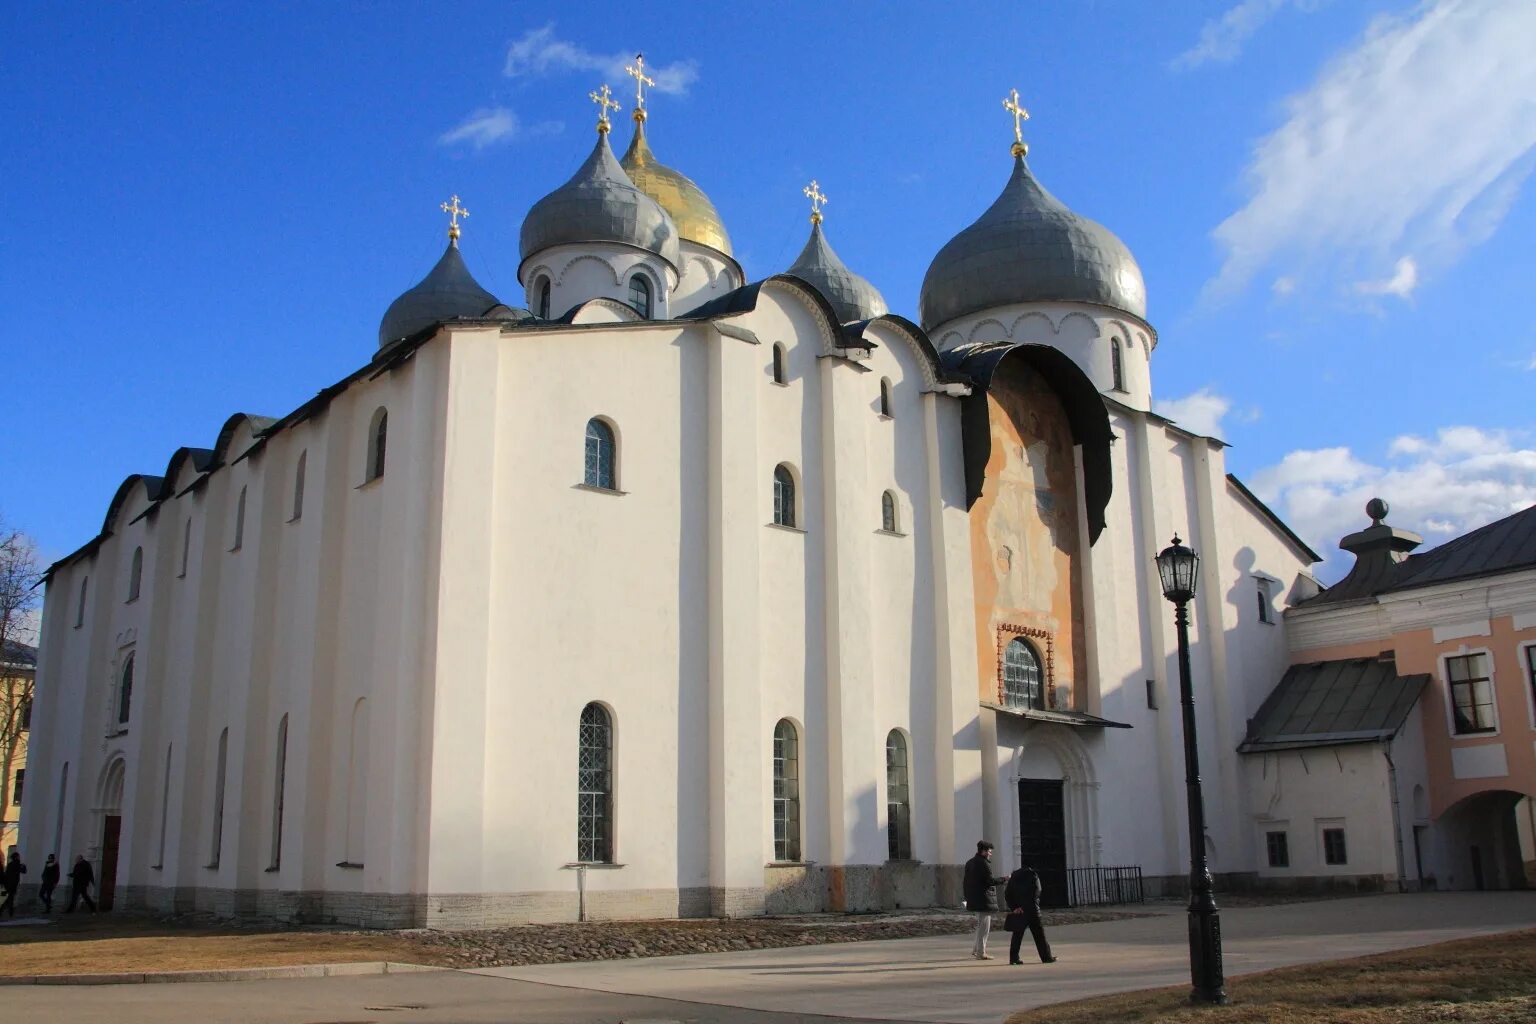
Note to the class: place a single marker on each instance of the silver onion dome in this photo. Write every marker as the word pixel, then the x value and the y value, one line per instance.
pixel 600 204
pixel 448 292
pixel 851 296
pixel 1028 247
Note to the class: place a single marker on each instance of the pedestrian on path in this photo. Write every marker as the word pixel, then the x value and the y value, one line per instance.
pixel 80 878
pixel 50 882
pixel 980 899
pixel 10 881
pixel 1023 896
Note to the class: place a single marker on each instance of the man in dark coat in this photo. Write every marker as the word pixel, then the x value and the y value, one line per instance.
pixel 10 881
pixel 50 882
pixel 80 878
pixel 1023 896
pixel 979 896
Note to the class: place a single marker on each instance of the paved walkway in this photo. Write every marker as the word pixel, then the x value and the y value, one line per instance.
pixel 928 979
pixel 934 979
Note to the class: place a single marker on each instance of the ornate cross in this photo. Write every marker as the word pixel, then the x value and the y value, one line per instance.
pixel 813 193
pixel 1020 115
pixel 605 102
pixel 637 72
pixel 454 212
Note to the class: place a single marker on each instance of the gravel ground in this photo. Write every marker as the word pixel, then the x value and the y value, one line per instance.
pixel 619 940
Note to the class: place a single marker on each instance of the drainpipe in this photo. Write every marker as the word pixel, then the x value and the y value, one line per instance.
pixel 1397 813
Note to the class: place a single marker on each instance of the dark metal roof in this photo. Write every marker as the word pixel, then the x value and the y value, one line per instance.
pixel 851 296
pixel 600 204
pixel 1082 402
pixel 18 655
pixel 1327 703
pixel 449 291
pixel 1079 719
pixel 1028 247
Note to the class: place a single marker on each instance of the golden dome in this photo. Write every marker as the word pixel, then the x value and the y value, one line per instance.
pixel 689 207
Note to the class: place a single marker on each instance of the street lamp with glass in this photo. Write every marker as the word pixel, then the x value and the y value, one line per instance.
pixel 1178 568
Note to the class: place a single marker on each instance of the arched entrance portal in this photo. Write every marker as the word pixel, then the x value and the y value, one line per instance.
pixel 109 807
pixel 1056 806
pixel 1477 843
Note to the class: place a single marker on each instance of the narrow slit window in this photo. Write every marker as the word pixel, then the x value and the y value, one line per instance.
pixel 780 376
pixel 786 791
pixel 1116 364
pixel 186 547
pixel 239 522
pixel 898 798
pixel 594 785
pixel 279 780
pixel 125 692
pixel 885 396
pixel 216 844
pixel 136 574
pixel 85 582
pixel 298 485
pixel 888 512
pixel 543 300
pixel 378 444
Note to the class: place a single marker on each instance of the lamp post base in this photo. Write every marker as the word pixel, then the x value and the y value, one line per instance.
pixel 1205 967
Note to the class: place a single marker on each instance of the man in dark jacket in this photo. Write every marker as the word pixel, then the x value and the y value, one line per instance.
pixel 10 881
pixel 1023 896
pixel 50 882
pixel 979 897
pixel 80 878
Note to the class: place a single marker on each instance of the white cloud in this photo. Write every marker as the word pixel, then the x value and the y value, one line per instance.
pixel 482 128
pixel 1200 412
pixel 1440 487
pixel 1222 39
pixel 540 52
pixel 1412 144
pixel 1283 286
pixel 1404 279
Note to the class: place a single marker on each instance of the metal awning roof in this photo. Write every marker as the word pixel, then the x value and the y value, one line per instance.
pixel 1079 719
pixel 1329 703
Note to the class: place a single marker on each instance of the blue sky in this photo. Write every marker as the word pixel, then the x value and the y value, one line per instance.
pixel 206 209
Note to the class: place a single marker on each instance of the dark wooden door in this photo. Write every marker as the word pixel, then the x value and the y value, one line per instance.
pixel 1043 837
pixel 109 843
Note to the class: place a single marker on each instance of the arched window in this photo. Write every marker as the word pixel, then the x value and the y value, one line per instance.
pixel 239 522
pixel 640 295
pixel 594 788
pixel 1116 364
pixel 125 691
pixel 786 791
pixel 217 845
pixel 135 574
pixel 898 798
pixel 279 778
pixel 885 396
pixel 186 547
pixel 80 605
pixel 165 809
pixel 1023 682
pixel 357 784
pixel 378 441
pixel 602 456
pixel 542 301
pixel 783 496
pixel 298 484
pixel 888 512
pixel 780 375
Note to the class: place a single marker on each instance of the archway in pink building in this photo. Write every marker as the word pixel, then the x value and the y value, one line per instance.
pixel 1475 844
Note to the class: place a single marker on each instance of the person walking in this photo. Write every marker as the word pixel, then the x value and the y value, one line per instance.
pixel 1022 894
pixel 980 899
pixel 80 878
pixel 50 882
pixel 10 881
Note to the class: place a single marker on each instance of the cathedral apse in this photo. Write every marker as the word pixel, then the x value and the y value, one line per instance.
pixel 1025 538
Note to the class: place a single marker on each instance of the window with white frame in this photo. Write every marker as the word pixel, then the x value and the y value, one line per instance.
pixel 786 791
pixel 1471 689
pixel 594 787
pixel 1530 672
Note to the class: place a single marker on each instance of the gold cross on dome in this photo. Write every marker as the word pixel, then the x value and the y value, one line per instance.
pixel 1020 115
pixel 637 72
pixel 605 102
pixel 454 212
pixel 813 193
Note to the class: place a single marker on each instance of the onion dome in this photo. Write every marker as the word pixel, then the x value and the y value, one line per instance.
pixel 851 296
pixel 1028 247
pixel 687 204
pixel 448 292
pixel 600 204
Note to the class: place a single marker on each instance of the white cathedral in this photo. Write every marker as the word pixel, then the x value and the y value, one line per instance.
pixel 671 594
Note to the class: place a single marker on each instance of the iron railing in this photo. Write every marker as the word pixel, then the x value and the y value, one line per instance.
pixel 1087 887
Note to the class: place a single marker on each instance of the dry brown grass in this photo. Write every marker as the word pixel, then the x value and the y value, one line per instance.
pixel 1486 980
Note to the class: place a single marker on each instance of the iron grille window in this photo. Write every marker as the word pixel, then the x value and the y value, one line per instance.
pixel 1023 682
pixel 640 295
pixel 1279 849
pixel 898 800
pixel 786 792
pixel 1333 846
pixel 888 512
pixel 783 497
pixel 1471 693
pixel 600 456
pixel 594 788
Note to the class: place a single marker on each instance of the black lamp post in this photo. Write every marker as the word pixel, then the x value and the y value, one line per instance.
pixel 1178 567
